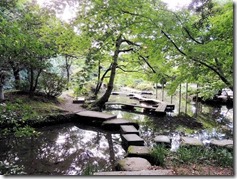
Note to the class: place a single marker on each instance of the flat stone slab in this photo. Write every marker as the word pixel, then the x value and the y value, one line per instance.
pixel 128 129
pixel 133 164
pixel 131 139
pixel 185 141
pixel 222 143
pixel 163 139
pixel 94 115
pixel 79 100
pixel 116 123
pixel 139 151
pixel 142 172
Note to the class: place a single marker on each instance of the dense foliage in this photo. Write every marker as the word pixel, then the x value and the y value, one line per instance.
pixel 109 38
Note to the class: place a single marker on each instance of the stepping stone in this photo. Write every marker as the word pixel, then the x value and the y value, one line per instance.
pixel 139 151
pixel 163 140
pixel 93 117
pixel 115 93
pixel 79 100
pixel 161 107
pixel 128 129
pixel 190 141
pixel 131 139
pixel 222 143
pixel 114 124
pixel 132 164
pixel 141 173
pixel 147 92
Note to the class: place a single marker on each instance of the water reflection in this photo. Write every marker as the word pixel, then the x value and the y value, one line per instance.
pixel 215 122
pixel 63 150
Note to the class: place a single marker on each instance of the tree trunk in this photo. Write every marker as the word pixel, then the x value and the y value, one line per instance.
pixel 100 81
pixel 34 81
pixel 1 93
pixel 101 102
pixel 16 73
pixel 68 64
pixel 180 97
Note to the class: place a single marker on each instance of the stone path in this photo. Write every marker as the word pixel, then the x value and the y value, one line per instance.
pixel 137 159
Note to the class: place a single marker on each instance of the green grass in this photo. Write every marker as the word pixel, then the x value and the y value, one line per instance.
pixel 193 155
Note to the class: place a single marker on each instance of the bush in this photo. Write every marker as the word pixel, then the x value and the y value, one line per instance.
pixel 159 154
pixel 51 84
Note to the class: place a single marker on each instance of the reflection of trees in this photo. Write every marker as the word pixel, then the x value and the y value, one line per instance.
pixel 111 150
pixel 63 150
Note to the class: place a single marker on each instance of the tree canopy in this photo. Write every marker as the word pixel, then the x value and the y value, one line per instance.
pixel 192 45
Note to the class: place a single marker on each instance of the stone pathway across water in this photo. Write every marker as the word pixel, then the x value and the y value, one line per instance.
pixel 138 159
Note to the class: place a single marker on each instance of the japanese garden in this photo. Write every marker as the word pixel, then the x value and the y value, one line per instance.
pixel 116 87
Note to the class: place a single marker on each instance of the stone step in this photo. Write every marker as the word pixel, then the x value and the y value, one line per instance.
pixel 128 129
pixel 79 100
pixel 131 139
pixel 139 151
pixel 222 143
pixel 132 164
pixel 163 140
pixel 114 124
pixel 190 141
pixel 140 173
pixel 93 117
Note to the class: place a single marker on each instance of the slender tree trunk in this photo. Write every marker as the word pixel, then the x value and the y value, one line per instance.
pixel 196 102
pixel 180 98
pixel 101 102
pixel 186 100
pixel 98 86
pixel 31 82
pixel 1 93
pixel 34 81
pixel 68 66
pixel 162 94
pixel 16 73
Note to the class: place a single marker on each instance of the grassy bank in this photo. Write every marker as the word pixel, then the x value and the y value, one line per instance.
pixel 18 110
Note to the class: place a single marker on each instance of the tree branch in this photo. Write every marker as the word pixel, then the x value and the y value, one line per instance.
pixel 191 37
pixel 145 60
pixel 130 42
pixel 167 36
pixel 125 50
pixel 216 71
pixel 119 67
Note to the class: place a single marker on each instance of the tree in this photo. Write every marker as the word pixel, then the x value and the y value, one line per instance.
pixel 109 29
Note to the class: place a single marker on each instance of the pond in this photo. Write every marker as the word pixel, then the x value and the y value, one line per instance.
pixel 188 118
pixel 66 149
pixel 76 149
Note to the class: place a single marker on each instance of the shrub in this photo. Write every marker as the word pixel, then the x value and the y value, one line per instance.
pixel 51 84
pixel 159 154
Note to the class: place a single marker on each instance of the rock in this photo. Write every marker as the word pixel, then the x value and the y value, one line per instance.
pixel 139 151
pixel 133 164
pixel 142 172
pixel 116 123
pixel 222 143
pixel 163 140
pixel 128 129
pixel 131 139
pixel 190 141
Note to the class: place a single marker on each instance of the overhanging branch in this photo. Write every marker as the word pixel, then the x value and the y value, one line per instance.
pixel 167 36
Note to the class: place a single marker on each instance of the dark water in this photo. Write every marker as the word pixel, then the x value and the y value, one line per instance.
pixel 73 149
pixel 66 149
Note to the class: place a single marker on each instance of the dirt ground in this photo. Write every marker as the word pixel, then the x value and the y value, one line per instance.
pixel 67 103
